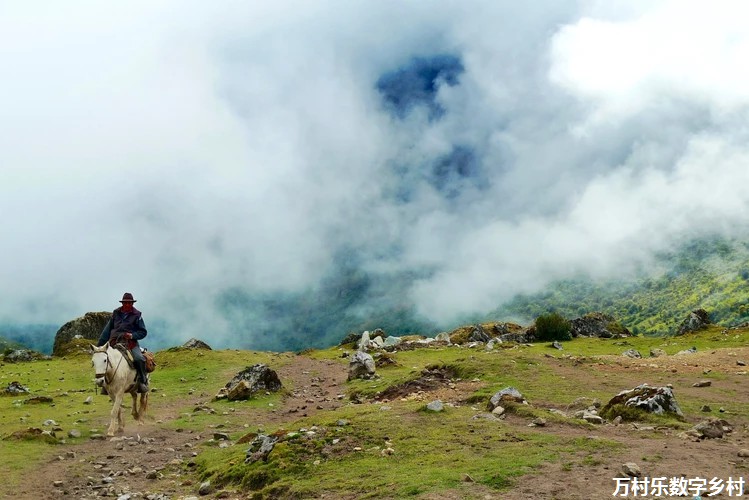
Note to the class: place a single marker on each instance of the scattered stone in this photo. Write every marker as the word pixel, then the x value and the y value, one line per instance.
pixel 436 406
pixel 685 352
pixel 538 422
pixel 740 363
pixel 221 436
pixel 509 394
pixel 592 418
pixel 88 400
pixel 702 383
pixel 744 453
pixel 205 488
pixel 557 345
pixel 632 353
pixel 260 448
pixel 59 484
pixel 657 353
pixel 361 365
pixel 16 388
pixel 617 420
pixel 631 469
pixel 74 433
pixel 443 337
pixel 706 409
pixel 598 324
pixel 498 411
pixel 478 334
pixel 708 429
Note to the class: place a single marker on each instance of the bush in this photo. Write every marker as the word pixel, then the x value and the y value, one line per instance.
pixel 552 326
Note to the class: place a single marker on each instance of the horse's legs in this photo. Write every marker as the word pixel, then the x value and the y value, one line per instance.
pixel 143 404
pixel 116 415
pixel 135 412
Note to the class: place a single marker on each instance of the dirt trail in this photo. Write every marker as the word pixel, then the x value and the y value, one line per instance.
pixel 152 460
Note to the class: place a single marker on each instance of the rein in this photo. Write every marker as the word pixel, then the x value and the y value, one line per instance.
pixel 107 377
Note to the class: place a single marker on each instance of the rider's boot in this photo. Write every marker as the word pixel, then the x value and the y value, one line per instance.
pixel 140 366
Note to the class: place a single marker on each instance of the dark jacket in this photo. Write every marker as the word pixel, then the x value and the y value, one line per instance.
pixel 120 323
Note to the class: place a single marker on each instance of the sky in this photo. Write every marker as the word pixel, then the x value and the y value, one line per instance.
pixel 468 151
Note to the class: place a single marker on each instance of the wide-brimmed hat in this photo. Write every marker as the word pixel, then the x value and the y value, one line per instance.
pixel 128 297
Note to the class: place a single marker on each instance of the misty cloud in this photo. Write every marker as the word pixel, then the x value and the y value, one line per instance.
pixel 264 174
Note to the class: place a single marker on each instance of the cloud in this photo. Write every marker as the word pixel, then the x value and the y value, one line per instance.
pixel 240 167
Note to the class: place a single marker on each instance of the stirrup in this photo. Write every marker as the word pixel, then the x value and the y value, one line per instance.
pixel 104 391
pixel 142 388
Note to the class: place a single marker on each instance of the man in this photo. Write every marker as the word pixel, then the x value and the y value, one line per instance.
pixel 126 327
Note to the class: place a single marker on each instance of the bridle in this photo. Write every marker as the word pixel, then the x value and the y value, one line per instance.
pixel 108 378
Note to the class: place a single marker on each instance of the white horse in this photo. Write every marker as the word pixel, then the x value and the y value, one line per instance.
pixel 115 374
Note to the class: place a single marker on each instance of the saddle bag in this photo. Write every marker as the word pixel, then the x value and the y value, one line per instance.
pixel 150 360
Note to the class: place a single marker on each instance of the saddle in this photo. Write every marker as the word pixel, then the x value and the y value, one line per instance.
pixel 147 355
pixel 126 354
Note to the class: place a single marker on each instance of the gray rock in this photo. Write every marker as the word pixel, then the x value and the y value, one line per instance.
pixel 697 320
pixel 691 350
pixel 253 379
pixel 436 406
pixel 597 324
pixel 711 429
pixel 74 433
pixel 631 469
pixel 23 356
pixel 706 409
pixel 88 326
pixel 592 418
pixel 16 388
pixel 557 345
pixel 744 453
pixel 392 341
pixel 508 394
pixel 658 400
pixel 632 353
pixel 361 365
pixel 365 341
pixel 194 343
pixel 205 488
pixel 260 448
pixel 478 334
pixel 221 436
pixel 442 337
pixel 657 353
pixel 702 383
pixel 88 400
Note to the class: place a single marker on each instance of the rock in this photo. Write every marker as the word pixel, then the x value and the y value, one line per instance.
pixel 443 337
pixel 508 394
pixel 15 388
pixel 221 436
pixel 74 433
pixel 253 379
pixel 24 356
pixel 538 422
pixel 702 383
pixel 88 327
pixel 498 411
pixel 260 448
pixel 194 343
pixel 32 434
pixel 744 453
pixel 740 363
pixel 706 409
pixel 658 400
pixel 592 418
pixel 631 469
pixel 392 341
pixel 557 345
pixel 632 353
pixel 364 342
pixel 657 353
pixel 617 420
pixel 436 406
pixel 361 365
pixel 697 320
pixel 205 488
pixel 59 484
pixel 708 429
pixel 691 350
pixel 38 400
pixel 478 335
pixel 88 400
pixel 598 324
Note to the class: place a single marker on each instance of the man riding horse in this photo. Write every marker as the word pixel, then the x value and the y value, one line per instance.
pixel 126 327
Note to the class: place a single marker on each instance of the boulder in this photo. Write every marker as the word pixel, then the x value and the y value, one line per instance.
pixel 23 356
pixel 709 429
pixel 88 326
pixel 657 353
pixel 508 394
pixel 478 334
pixel 697 320
pixel 632 353
pixel 361 365
pixel 691 350
pixel 194 343
pixel 260 448
pixel 658 400
pixel 15 388
pixel 436 406
pixel 598 324
pixel 246 383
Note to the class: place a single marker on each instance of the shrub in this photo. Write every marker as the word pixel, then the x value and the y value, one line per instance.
pixel 552 326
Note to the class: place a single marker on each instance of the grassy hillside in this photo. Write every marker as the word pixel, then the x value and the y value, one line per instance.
pixel 713 275
pixel 364 445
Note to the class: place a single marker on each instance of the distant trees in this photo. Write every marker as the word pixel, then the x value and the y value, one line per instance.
pixel 552 326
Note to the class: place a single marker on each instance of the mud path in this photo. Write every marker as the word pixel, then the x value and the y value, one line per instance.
pixel 153 461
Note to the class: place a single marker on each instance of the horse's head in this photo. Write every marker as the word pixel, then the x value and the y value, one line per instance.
pixel 99 359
